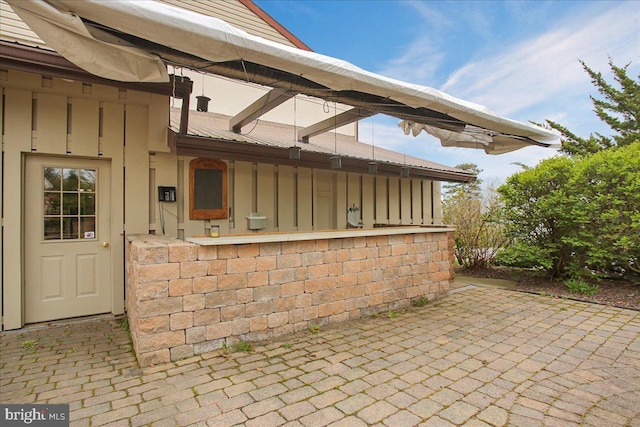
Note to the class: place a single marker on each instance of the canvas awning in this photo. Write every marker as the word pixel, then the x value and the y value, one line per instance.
pixel 133 41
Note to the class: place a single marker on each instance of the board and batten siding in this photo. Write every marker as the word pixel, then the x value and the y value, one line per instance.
pixel 292 198
pixel 56 117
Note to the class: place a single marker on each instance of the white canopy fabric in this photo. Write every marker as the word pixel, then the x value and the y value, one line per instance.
pixel 59 23
pixel 491 143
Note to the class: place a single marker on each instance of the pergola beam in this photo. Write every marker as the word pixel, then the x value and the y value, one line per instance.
pixel 338 120
pixel 261 106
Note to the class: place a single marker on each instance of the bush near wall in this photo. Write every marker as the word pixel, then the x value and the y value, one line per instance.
pixel 573 215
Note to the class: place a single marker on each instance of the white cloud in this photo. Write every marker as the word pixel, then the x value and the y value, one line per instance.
pixel 547 67
pixel 410 66
pixel 532 79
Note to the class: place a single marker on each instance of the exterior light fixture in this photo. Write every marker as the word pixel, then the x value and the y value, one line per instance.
pixel 336 162
pixel 373 168
pixel 404 172
pixel 203 103
pixel 294 153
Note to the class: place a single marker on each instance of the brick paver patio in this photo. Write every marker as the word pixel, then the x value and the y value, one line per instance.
pixel 481 357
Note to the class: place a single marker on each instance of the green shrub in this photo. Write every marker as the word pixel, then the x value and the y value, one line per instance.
pixel 523 255
pixel 579 286
pixel 573 215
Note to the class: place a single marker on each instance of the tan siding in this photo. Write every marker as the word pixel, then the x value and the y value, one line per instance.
pixel 353 191
pixel 368 207
pixel 305 198
pixel 242 195
pixel 64 87
pixel 3 76
pixel 416 202
pixel 427 202
pixel 286 199
pixel 437 203
pixel 166 175
pixel 20 80
pixel 394 200
pixel 13 29
pixel 405 202
pixel 111 144
pixel 50 135
pixel 382 199
pixel 104 93
pixel 135 97
pixel 340 192
pixel 159 124
pixel 266 194
pixel 83 140
pixel 323 200
pixel 188 227
pixel 136 184
pixel 17 140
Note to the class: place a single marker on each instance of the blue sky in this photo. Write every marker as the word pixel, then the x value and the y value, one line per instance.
pixel 519 58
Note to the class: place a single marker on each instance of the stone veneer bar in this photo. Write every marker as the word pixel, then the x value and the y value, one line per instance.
pixel 187 298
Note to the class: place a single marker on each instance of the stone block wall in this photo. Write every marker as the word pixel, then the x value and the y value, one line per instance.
pixel 184 299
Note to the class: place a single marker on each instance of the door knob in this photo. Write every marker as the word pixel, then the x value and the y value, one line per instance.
pixel 104 244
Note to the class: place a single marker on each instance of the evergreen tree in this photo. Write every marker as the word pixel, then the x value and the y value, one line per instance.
pixel 469 189
pixel 620 109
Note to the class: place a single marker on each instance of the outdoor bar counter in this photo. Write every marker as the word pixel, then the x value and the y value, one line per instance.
pixel 189 297
pixel 270 237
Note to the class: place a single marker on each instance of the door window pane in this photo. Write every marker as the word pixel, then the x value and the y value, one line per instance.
pixel 51 203
pixel 87 204
pixel 70 227
pixel 70 180
pixel 52 179
pixel 87 227
pixel 52 229
pixel 87 180
pixel 69 204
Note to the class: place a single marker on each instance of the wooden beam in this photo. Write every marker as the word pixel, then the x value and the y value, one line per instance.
pixel 266 103
pixel 341 119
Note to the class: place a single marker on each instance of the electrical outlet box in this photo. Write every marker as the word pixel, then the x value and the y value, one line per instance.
pixel 166 194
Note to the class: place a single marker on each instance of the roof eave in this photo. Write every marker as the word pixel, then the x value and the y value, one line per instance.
pixel 199 146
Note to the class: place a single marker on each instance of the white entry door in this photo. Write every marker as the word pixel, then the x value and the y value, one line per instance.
pixel 67 227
